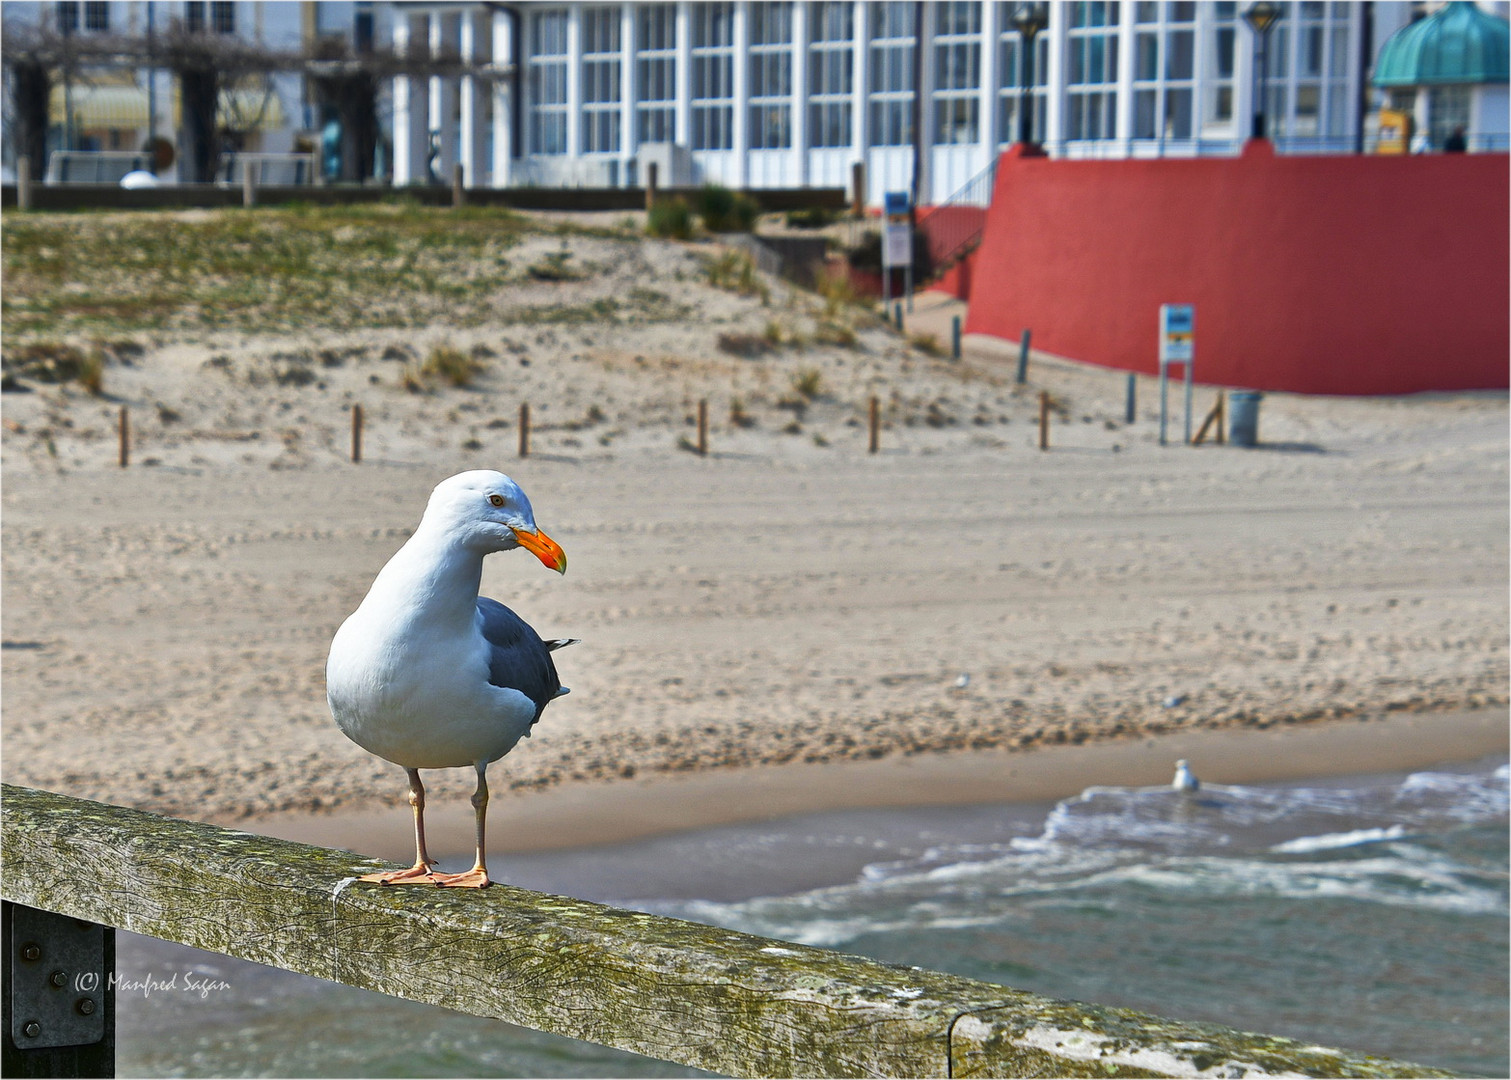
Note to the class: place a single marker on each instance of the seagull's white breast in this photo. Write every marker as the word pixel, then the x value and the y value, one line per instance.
pixel 419 696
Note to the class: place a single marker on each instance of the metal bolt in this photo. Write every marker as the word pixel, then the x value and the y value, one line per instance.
pixel 85 1006
pixel 31 951
pixel 58 978
pixel 31 1029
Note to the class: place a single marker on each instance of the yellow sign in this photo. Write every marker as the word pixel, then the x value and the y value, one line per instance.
pixel 1395 132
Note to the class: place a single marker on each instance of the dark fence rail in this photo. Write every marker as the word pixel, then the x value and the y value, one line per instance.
pixel 182 196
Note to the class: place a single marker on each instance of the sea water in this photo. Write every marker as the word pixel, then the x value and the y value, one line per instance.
pixel 1367 912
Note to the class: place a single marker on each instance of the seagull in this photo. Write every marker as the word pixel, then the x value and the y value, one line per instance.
pixel 430 675
pixel 1185 779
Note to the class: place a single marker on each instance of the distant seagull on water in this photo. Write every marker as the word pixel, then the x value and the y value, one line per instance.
pixel 430 675
pixel 1185 779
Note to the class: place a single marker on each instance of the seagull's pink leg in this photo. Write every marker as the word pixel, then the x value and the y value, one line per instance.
pixel 477 877
pixel 421 870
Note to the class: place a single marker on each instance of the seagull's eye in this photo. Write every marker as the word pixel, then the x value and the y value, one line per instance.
pixel 496 500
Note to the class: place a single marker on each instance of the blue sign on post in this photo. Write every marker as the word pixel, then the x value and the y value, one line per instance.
pixel 1177 332
pixel 895 203
pixel 1177 345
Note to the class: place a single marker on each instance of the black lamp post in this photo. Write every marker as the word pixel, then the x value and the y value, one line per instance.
pixel 1029 19
pixel 1261 17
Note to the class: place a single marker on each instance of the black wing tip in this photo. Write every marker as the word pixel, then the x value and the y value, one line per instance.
pixel 552 644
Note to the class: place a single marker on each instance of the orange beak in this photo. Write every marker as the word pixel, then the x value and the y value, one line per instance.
pixel 543 548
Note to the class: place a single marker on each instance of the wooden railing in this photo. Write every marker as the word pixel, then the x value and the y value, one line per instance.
pixel 674 990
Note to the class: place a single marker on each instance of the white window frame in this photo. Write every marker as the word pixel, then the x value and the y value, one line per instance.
pixel 890 90
pixel 1221 35
pixel 602 80
pixel 1164 89
pixel 655 70
pixel 770 75
pixel 958 64
pixel 1102 93
pixel 831 75
pixel 547 60
pixel 712 96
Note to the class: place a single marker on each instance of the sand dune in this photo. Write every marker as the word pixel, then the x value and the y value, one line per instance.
pixel 789 598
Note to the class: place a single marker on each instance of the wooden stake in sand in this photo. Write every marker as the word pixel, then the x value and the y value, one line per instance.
pixel 875 424
pixel 23 183
pixel 703 427
pixel 1043 419
pixel 356 434
pixel 125 436
pixel 1215 415
pixel 458 186
pixel 524 429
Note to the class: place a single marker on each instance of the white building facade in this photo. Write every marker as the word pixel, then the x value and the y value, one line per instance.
pixel 777 93
pixel 791 93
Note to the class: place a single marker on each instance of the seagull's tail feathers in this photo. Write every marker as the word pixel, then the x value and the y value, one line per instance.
pixel 552 644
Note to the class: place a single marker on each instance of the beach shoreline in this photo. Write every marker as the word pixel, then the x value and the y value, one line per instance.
pixel 599 814
pixel 787 601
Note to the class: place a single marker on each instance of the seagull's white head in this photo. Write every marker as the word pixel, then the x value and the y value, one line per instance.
pixel 487 511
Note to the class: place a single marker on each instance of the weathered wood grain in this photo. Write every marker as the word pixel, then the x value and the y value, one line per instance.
pixel 679 991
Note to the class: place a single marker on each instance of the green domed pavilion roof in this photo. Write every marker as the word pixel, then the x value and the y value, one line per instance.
pixel 1457 44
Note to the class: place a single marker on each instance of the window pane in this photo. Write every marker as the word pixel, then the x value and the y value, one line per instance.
pixel 1338 62
pixel 956 17
pixel 770 23
pixel 1225 40
pixel 1178 57
pixel 770 127
pixel 833 22
pixel 1280 51
pixel 955 120
pixel 1222 105
pixel 829 124
pixel 1311 51
pixel 1177 114
pixel 1143 114
pixel 1146 57
pixel 600 30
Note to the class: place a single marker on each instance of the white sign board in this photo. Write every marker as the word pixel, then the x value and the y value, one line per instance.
pixel 897 246
pixel 1177 333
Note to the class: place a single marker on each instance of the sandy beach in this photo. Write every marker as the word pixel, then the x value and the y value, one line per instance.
pixel 787 603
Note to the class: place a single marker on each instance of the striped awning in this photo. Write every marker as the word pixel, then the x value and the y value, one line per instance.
pixel 96 107
pixel 250 109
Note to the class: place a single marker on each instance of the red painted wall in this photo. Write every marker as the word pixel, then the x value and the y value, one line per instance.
pixel 1320 275
pixel 957 279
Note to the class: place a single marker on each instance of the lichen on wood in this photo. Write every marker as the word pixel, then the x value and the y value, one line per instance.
pixel 697 995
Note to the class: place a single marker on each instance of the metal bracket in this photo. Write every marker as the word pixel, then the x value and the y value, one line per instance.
pixel 57 980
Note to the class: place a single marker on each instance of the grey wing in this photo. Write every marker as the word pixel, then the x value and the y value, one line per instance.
pixel 518 659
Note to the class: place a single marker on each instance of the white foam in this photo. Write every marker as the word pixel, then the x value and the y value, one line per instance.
pixel 1329 841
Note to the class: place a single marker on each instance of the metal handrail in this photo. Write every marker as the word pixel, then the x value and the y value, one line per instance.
pixel 954 227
